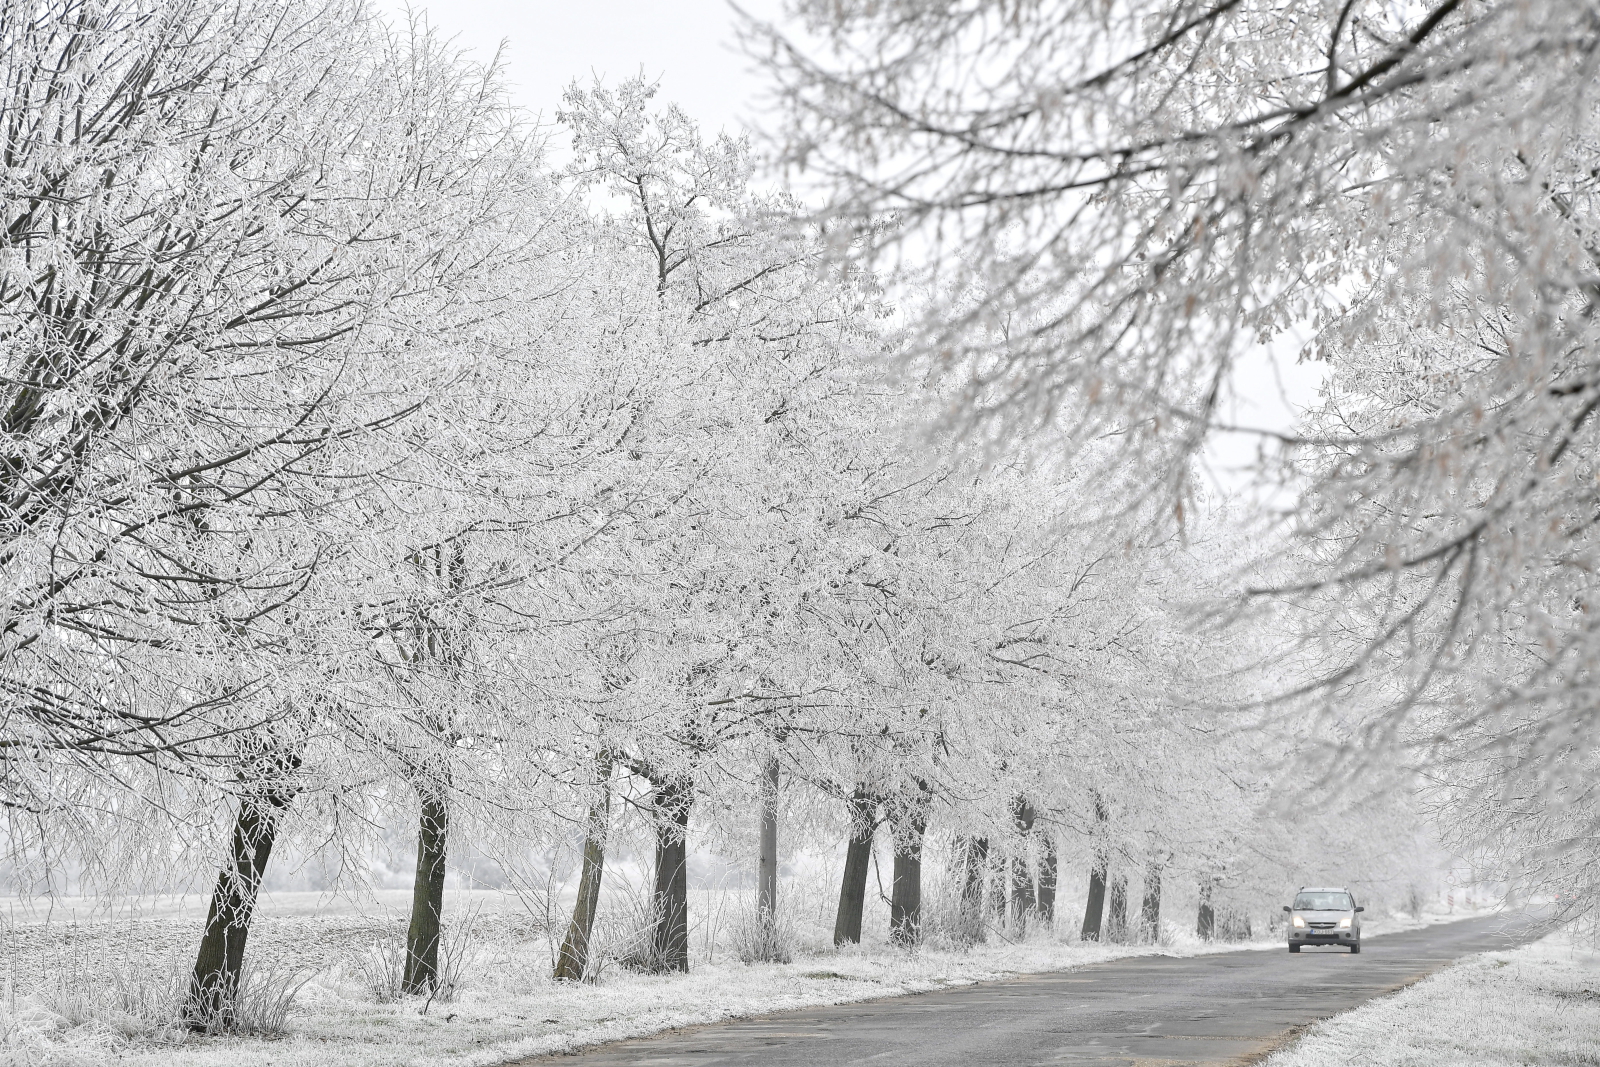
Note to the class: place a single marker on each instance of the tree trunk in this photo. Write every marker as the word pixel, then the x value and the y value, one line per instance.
pixel 999 875
pixel 905 899
pixel 975 861
pixel 1206 924
pixel 1022 900
pixel 857 859
pixel 438 567
pixel 1150 910
pixel 215 984
pixel 1047 880
pixel 574 958
pixel 1117 921
pixel 767 881
pixel 670 941
pixel 421 973
pixel 1095 907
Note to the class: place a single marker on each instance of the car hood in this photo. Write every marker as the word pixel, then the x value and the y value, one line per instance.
pixel 1323 916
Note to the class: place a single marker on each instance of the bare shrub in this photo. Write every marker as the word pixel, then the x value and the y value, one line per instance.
pixel 130 998
pixel 264 998
pixel 714 917
pixel 953 923
pixel 73 1001
pixel 536 883
pixel 147 997
pixel 642 952
pixel 381 966
pixel 628 939
pixel 260 1004
pixel 23 1030
pixel 762 936
pixel 950 920
pixel 456 951
pixel 1233 924
pixel 619 939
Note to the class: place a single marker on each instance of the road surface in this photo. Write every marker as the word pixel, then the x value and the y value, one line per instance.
pixel 1145 1011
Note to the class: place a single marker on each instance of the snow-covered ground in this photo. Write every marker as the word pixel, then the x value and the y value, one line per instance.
pixel 85 981
pixel 1538 1004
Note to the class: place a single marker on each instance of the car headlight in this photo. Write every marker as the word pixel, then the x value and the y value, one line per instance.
pixel 1299 922
pixel 1344 923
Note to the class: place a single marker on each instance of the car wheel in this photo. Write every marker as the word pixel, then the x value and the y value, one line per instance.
pixel 1355 949
pixel 1294 948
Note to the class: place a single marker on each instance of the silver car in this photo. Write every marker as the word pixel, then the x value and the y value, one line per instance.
pixel 1324 915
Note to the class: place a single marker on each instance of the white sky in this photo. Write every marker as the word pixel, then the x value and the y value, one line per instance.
pixel 688 44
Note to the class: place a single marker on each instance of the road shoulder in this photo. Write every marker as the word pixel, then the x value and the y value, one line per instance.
pixel 1539 1003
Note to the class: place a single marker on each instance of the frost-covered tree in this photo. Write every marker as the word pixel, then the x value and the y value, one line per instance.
pixel 739 346
pixel 230 226
pixel 223 218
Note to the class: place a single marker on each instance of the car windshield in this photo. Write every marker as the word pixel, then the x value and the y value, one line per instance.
pixel 1323 902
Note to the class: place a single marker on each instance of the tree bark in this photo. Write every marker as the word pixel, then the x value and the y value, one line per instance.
pixel 857 859
pixel 1150 910
pixel 574 957
pixel 421 973
pixel 1047 880
pixel 1095 907
pixel 1206 922
pixel 767 880
pixel 975 860
pixel 999 874
pixel 1117 920
pixel 215 984
pixel 1022 899
pixel 905 898
pixel 670 938
pixel 438 567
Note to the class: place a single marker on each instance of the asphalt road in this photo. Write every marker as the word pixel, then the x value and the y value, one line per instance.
pixel 1140 1012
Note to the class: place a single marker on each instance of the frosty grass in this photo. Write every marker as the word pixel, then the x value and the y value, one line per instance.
pixel 1538 1004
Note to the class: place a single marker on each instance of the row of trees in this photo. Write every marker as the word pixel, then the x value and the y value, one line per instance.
pixel 1146 197
pixel 359 464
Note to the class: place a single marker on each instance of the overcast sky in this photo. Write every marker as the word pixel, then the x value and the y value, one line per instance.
pixel 688 44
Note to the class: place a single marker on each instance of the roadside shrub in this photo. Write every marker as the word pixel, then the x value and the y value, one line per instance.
pixel 266 995
pixel 125 997
pixel 381 966
pixel 456 951
pixel 759 936
pixel 637 949
pixel 24 1029
pixel 622 937
pixel 949 919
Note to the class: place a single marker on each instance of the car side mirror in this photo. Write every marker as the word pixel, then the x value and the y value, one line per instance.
pixel 1361 909
pixel 1287 908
